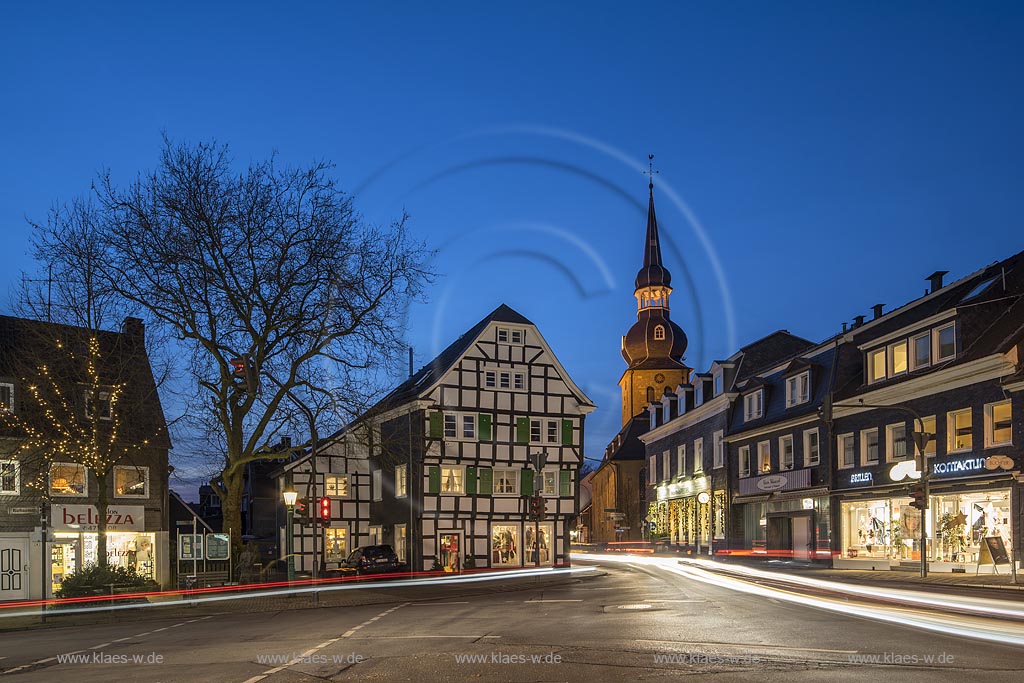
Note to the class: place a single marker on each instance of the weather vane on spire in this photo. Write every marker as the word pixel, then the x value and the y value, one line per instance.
pixel 650 172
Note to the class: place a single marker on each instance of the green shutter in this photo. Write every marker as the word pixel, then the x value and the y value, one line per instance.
pixel 471 481
pixel 486 475
pixel 522 430
pixel 433 479
pixel 484 427
pixel 565 482
pixel 436 426
pixel 526 482
pixel 567 432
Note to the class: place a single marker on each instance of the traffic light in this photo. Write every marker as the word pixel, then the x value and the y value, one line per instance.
pixel 325 509
pixel 243 374
pixel 300 510
pixel 917 493
pixel 537 506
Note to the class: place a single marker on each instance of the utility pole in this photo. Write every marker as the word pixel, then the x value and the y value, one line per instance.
pixel 537 460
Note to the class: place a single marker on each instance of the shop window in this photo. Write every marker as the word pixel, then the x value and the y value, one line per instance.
pixel 506 482
pixel 335 544
pixel 845 449
pixel 812 449
pixel 921 351
pixel 898 358
pixel 698 456
pixel 9 477
pixel 928 427
pixel 963 520
pixel 958 431
pixel 68 479
pixel 131 482
pixel 896 442
pixel 337 487
pixel 453 480
pixel 876 365
pixel 681 460
pixel 505 546
pixel 719 446
pixel 401 481
pixel 764 456
pixel 744 455
pixel 880 529
pixel 98 404
pixel 786 452
pixel 998 426
pixel 945 342
pixel 869 447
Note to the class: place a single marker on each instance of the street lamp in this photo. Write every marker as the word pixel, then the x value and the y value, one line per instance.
pixel 290 497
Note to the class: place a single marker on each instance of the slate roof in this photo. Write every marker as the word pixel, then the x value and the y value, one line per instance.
pixel 630 446
pixel 769 351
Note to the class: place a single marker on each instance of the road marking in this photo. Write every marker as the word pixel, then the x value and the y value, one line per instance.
pixel 96 647
pixel 417 638
pixel 750 646
pixel 431 604
pixel 314 650
pixel 576 600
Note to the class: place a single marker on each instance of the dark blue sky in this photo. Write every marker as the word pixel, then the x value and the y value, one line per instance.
pixel 825 157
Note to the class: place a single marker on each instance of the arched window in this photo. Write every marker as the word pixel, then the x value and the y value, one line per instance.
pixel 659 332
pixel 650 394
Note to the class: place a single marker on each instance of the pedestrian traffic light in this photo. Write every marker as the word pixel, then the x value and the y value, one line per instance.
pixel 325 509
pixel 917 493
pixel 537 506
pixel 243 374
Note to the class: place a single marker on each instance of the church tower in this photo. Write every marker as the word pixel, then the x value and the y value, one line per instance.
pixel 654 346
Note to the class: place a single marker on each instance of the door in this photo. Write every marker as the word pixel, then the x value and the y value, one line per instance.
pixel 63 561
pixel 802 538
pixel 13 569
pixel 450 552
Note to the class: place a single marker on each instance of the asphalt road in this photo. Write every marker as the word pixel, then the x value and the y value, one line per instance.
pixel 631 622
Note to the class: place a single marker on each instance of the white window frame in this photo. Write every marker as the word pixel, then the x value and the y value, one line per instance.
pixel 659 333
pixel 841 441
pixel 753 405
pixel 890 358
pixel 864 433
pixel 764 457
pixel 870 365
pixel 331 482
pixel 719 446
pixel 951 430
pixel 509 475
pixel 505 379
pixel 698 393
pixel 460 424
pixel 915 364
pixel 783 440
pixel 536 424
pixel 377 485
pixel 794 395
pixel 717 383
pixel 808 460
pixel 511 335
pixel 7 405
pixel 666 466
pixel 545 490
pixel 551 431
pixel 932 446
pixel 890 442
pixel 105 399
pixel 937 332
pixel 85 480
pixel 461 478
pixel 16 472
pixel 519 381
pixel 652 469
pixel 744 461
pixel 990 441
pixel 681 460
pixel 698 455
pixel 491 379
pixel 401 481
pixel 144 470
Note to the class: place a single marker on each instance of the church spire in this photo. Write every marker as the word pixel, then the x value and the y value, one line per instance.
pixel 653 273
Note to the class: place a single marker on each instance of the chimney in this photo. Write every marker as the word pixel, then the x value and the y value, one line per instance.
pixel 134 329
pixel 411 373
pixel 936 280
pixel 844 327
pixel 877 310
pixel 858 320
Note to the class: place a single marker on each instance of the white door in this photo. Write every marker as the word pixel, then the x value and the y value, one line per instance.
pixel 801 537
pixel 13 569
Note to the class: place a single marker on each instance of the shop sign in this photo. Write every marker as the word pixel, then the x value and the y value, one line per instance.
pixel 796 479
pixel 85 517
pixel 862 478
pixel 902 470
pixel 972 465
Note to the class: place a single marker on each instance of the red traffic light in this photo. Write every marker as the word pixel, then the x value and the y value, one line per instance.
pixel 919 500
pixel 237 367
pixel 325 508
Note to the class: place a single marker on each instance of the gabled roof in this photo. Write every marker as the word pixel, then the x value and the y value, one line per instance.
pixel 797 365
pixel 769 351
pixel 629 445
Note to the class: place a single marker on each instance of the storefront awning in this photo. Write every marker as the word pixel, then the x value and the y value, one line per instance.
pixel 796 495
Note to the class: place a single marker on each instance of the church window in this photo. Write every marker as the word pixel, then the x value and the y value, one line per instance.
pixel 659 332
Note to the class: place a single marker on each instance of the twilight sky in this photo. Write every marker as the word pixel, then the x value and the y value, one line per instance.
pixel 815 158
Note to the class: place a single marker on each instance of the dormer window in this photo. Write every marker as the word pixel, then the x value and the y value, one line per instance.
pixel 659 332
pixel 698 397
pixel 798 389
pixel 945 342
pixel 753 405
pixel 717 383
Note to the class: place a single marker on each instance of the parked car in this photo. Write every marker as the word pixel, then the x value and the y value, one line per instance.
pixel 372 559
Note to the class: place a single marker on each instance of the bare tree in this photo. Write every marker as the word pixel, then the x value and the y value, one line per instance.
pixel 270 280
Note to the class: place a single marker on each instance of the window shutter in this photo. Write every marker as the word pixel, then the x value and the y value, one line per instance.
pixel 526 482
pixel 436 426
pixel 567 432
pixel 486 481
pixel 471 481
pixel 433 479
pixel 522 430
pixel 565 482
pixel 484 427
